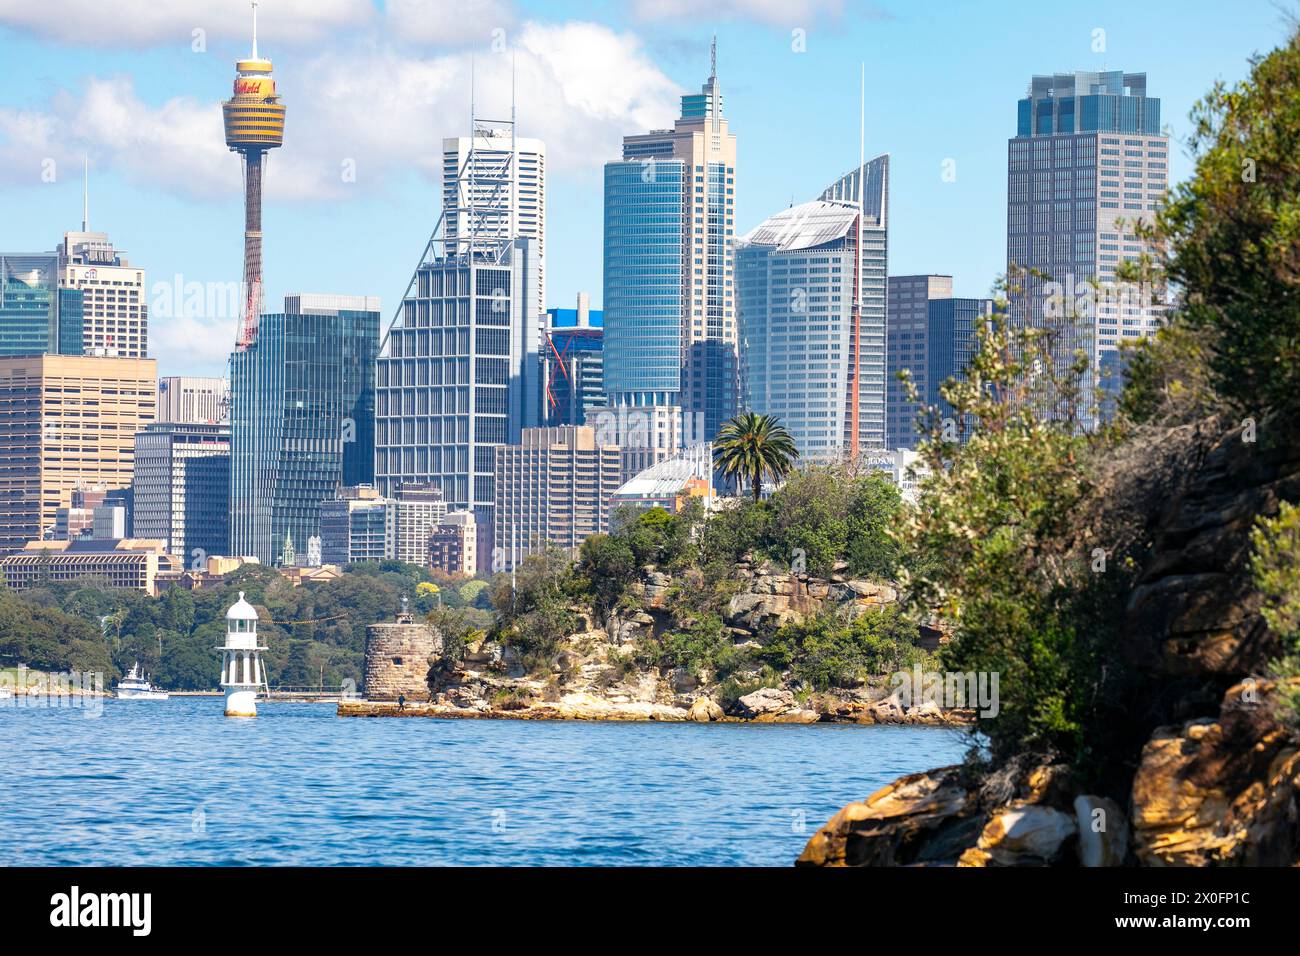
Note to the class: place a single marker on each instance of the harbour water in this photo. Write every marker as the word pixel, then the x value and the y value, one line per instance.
pixel 175 783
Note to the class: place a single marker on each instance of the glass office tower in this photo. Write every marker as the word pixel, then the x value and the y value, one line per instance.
pixel 1087 163
pixel 302 404
pixel 670 324
pixel 36 316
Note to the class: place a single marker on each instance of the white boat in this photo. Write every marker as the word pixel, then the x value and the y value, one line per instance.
pixel 5 693
pixel 136 686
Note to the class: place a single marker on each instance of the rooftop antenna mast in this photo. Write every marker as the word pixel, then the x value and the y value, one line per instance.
pixel 254 30
pixel 855 395
pixel 85 195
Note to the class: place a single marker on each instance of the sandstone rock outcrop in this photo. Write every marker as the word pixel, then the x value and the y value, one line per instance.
pixel 1218 780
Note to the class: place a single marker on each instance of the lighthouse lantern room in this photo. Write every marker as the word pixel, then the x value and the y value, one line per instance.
pixel 242 672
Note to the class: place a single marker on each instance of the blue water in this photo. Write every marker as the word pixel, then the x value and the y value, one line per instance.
pixel 175 783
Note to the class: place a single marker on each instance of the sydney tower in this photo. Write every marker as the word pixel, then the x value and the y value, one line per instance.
pixel 254 119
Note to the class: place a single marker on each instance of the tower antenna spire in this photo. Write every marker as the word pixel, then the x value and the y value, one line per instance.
pixel 85 195
pixel 254 29
pixel 713 58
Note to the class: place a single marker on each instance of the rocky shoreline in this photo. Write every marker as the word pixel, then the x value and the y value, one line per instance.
pixel 766 706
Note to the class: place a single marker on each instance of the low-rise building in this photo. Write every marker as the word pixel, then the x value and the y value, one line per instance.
pixel 452 544
pixel 126 563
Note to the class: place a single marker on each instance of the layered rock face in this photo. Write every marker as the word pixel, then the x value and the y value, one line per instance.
pixel 1218 781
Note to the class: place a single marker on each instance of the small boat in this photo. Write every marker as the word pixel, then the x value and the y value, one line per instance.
pixel 6 693
pixel 136 686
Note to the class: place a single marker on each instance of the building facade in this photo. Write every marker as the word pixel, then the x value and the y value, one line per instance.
pixel 37 316
pixel 810 355
pixel 302 406
pixel 356 526
pixel 552 490
pixel 66 423
pixel 494 190
pixel 193 399
pixel 115 307
pixel 1087 163
pixel 951 333
pixel 417 511
pixel 573 364
pixel 907 346
pixel 670 320
pixel 453 544
pixel 181 488
pixel 124 563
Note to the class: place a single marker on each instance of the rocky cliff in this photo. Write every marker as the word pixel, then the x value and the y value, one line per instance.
pixel 1218 780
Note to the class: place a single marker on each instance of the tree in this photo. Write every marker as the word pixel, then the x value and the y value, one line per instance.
pixel 1230 233
pixel 751 447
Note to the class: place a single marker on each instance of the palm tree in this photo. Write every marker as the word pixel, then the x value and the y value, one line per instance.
pixel 752 447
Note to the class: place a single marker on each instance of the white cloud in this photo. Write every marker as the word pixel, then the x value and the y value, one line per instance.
pixel 580 87
pixel 140 23
pixel 447 22
pixel 782 13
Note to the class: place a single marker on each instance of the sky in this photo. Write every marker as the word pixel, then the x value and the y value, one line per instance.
pixel 373 86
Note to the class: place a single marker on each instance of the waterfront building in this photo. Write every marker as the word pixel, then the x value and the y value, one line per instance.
pixel 69 423
pixel 120 563
pixel 182 487
pixel 811 355
pixel 194 399
pixel 243 674
pixel 301 423
pixel 573 363
pixel 115 309
pixel 37 316
pixel 552 490
pixel 453 543
pixel 670 322
pixel 1087 164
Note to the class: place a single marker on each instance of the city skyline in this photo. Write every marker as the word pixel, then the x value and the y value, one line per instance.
pixel 582 121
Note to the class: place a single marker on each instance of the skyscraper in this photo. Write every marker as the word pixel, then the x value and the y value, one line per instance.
pixel 1087 162
pixel 810 354
pixel 670 325
pixel 302 407
pixel 37 317
pixel 115 309
pixel 459 370
pixel 69 423
pixel 908 338
pixel 951 328
pixel 182 489
pixel 488 197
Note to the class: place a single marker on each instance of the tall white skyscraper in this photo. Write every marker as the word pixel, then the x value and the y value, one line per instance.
pixel 458 371
pixel 479 190
pixel 810 354
pixel 1087 163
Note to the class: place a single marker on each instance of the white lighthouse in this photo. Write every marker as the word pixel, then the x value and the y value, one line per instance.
pixel 242 673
